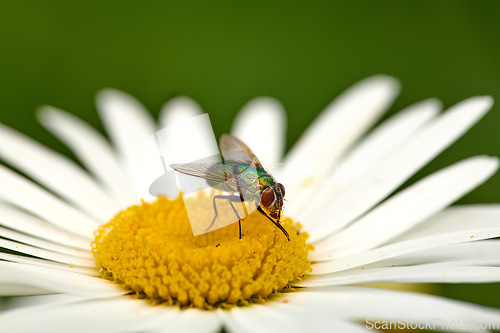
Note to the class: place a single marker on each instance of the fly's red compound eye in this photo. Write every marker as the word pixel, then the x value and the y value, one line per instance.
pixel 267 197
pixel 282 188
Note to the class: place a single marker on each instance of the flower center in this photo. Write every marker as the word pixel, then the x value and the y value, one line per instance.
pixel 150 250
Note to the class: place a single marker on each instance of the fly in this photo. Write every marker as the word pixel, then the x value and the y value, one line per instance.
pixel 240 173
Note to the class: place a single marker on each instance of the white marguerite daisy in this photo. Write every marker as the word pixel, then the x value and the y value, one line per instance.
pixel 86 255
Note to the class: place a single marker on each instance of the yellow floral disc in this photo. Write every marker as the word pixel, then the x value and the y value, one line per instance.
pixel 150 250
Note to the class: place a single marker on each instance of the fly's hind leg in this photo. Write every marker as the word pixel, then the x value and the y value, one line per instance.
pixel 231 199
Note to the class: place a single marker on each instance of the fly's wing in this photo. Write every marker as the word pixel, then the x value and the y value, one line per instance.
pixel 235 150
pixel 219 175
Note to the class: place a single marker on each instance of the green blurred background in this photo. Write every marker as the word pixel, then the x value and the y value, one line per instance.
pixel 223 53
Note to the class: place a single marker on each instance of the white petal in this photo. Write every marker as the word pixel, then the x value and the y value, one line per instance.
pixel 129 125
pixel 380 182
pixel 18 289
pixel 25 194
pixel 315 322
pixel 56 172
pixel 430 273
pixel 456 218
pixel 40 301
pixel 108 315
pixel 368 154
pixel 42 244
pixel 186 141
pixel 41 253
pixel 49 264
pixel 368 304
pixel 481 253
pixel 336 128
pixel 410 206
pixel 287 318
pixel 58 280
pixel 191 133
pixel 261 124
pixel 260 318
pixel 453 225
pixel 93 150
pixel 192 320
pixel 178 109
pixel 19 220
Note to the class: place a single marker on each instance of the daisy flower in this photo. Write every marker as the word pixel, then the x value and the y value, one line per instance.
pixel 87 251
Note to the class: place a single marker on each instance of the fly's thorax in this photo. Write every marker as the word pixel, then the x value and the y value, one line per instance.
pixel 249 180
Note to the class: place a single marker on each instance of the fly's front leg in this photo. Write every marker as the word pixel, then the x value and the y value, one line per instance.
pixel 276 223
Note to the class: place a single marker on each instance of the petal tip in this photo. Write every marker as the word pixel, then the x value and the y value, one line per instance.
pixel 109 97
pixel 112 103
pixel 182 102
pixel 264 109
pixel 45 112
pixel 385 80
pixel 178 108
pixel 264 104
pixel 491 163
pixel 487 100
pixel 106 92
pixel 433 102
pixel 483 103
pixel 494 161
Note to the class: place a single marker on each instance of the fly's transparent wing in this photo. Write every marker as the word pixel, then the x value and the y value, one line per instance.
pixel 235 150
pixel 218 175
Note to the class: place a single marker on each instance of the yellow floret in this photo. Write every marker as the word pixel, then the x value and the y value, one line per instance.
pixel 150 250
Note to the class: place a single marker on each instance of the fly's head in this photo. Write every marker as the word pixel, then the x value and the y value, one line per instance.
pixel 271 200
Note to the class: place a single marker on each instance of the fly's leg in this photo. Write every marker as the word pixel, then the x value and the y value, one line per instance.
pixel 276 223
pixel 238 215
pixel 231 199
pixel 215 210
pixel 244 209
